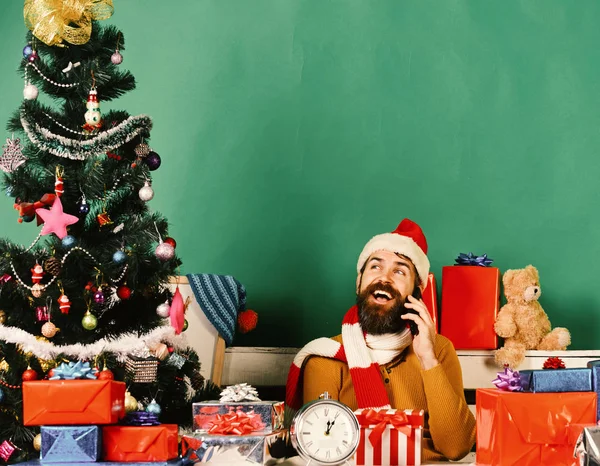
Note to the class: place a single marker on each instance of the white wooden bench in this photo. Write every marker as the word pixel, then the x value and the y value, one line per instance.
pixel 268 366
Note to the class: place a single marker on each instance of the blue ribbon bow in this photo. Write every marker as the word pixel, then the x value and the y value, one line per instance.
pixel 471 259
pixel 73 370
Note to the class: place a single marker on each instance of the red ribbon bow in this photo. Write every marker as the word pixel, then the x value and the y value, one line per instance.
pixel 238 423
pixel 381 419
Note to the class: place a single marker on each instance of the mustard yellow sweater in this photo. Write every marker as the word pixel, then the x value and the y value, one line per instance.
pixel 449 431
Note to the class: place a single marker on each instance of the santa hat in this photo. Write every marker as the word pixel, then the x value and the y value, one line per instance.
pixel 407 239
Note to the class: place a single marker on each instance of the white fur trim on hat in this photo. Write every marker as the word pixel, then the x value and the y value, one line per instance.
pixel 398 244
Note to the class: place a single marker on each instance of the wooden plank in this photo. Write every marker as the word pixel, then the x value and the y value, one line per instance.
pixel 219 360
pixel 268 366
pixel 479 369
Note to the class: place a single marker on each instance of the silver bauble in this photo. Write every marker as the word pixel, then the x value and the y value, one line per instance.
pixel 165 252
pixel 30 92
pixel 116 58
pixel 163 310
pixel 146 192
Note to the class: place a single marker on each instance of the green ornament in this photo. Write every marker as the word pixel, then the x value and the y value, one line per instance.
pixel 185 325
pixel 89 321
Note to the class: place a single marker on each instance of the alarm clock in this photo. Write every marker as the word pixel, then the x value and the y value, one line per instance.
pixel 325 432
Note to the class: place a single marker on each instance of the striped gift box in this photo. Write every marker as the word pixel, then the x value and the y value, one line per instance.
pixel 389 437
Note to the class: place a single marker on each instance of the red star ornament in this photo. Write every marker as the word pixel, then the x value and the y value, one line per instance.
pixel 55 220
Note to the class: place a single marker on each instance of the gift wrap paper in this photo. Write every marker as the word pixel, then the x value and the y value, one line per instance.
pixel 529 429
pixel 174 462
pixel 257 449
pixel 556 380
pixel 268 414
pixel 595 368
pixel 69 444
pixel 470 304
pixel 587 450
pixel 73 402
pixel 144 443
pixel 396 448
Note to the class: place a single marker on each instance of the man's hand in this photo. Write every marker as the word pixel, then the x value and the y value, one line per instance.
pixel 423 342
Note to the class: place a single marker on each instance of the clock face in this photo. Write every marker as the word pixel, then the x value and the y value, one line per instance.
pixel 327 432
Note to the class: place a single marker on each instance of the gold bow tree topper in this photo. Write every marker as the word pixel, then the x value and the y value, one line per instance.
pixel 55 21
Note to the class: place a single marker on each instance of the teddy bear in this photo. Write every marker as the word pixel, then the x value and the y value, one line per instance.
pixel 522 322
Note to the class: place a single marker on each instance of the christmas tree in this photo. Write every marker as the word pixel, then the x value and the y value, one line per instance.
pixel 92 286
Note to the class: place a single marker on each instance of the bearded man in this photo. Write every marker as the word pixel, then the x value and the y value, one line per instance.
pixel 389 354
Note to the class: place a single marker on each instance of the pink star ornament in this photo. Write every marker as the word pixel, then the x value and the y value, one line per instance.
pixel 55 220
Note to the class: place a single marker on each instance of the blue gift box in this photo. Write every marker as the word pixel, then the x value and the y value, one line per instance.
pixel 557 380
pixel 70 444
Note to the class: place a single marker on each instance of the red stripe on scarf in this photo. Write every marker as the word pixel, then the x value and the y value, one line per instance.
pixel 367 381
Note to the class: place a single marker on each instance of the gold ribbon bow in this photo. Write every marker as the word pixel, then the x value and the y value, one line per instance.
pixel 55 21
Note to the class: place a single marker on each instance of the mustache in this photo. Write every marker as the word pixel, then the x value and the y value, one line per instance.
pixel 394 293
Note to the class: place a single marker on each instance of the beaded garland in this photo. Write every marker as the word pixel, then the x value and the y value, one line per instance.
pixel 79 133
pixel 74 248
pixel 13 387
pixel 45 78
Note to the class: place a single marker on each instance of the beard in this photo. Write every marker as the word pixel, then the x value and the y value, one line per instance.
pixel 378 319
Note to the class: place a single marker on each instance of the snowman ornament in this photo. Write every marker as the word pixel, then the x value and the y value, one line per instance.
pixel 93 117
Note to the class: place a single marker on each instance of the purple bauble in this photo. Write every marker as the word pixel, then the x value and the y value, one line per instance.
pixel 28 50
pixel 99 297
pixel 153 160
pixel 116 58
pixel 33 56
pixel 165 252
pixel 84 209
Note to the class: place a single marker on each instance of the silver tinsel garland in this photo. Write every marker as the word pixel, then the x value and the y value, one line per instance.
pixel 74 149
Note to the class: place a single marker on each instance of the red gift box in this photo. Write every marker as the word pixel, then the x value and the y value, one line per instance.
pixel 470 304
pixel 530 429
pixel 73 402
pixel 143 443
pixel 389 437
pixel 430 299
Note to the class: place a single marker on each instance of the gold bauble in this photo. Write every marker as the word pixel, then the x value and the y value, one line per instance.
pixel 36 290
pixel 161 351
pixel 4 366
pixel 47 364
pixel 49 329
pixel 131 403
pixel 89 321
pixel 37 442
pixel 2 317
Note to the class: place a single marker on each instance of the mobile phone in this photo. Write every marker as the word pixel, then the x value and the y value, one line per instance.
pixel 414 328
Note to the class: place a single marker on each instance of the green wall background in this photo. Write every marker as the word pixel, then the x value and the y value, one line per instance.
pixel 293 131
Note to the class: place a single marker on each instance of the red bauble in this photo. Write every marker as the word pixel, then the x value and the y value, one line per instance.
pixel 170 241
pixel 29 375
pixel 124 292
pixel 106 375
pixel 247 320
